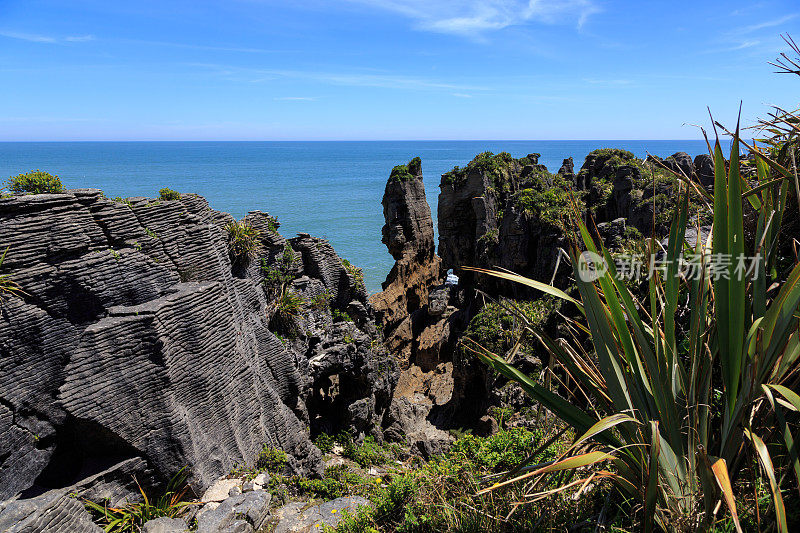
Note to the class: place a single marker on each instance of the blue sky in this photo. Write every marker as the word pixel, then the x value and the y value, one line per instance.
pixel 386 69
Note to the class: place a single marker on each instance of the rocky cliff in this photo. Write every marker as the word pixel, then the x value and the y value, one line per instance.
pixel 513 213
pixel 420 318
pixel 408 235
pixel 143 341
pixel 141 345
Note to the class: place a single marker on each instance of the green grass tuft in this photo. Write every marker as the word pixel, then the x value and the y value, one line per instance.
pixel 243 243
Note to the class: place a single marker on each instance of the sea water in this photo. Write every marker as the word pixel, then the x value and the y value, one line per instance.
pixel 328 189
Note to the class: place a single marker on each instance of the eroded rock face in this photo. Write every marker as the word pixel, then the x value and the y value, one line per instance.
pixel 138 345
pixel 414 309
pixel 485 219
pixel 408 234
pixel 53 511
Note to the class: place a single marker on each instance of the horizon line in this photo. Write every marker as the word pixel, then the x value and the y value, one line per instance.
pixel 339 140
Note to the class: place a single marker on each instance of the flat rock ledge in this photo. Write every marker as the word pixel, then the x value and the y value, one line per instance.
pixel 299 517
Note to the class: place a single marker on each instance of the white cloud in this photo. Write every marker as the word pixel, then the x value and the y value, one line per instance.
pixel 475 17
pixel 36 38
pixel 768 24
pixel 759 36
pixel 31 37
pixel 745 44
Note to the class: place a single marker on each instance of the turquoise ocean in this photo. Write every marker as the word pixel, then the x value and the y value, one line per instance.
pixel 328 189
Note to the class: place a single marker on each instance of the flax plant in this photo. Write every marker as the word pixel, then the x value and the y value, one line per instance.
pixel 651 423
pixel 131 517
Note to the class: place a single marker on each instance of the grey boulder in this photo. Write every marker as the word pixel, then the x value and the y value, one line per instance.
pixel 165 525
pixel 243 513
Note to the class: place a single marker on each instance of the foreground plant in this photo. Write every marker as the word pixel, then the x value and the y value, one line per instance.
pixel 132 517
pixel 643 393
pixel 439 495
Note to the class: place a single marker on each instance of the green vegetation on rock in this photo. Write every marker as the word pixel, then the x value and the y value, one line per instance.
pixel 406 172
pixel 440 495
pixel 35 182
pixel 341 316
pixel 551 206
pixel 271 459
pixel 168 194
pixel 173 503
pixel 356 273
pixel 498 328
pixel 243 243
pixel 497 166
pixel 290 304
pixel 8 287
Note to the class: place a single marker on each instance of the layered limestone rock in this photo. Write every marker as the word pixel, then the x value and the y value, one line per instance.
pixel 513 213
pixel 414 310
pixel 139 346
pixel 501 211
pixel 491 214
pixel 408 234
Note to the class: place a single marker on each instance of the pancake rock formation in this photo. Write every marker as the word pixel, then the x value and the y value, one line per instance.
pixel 142 344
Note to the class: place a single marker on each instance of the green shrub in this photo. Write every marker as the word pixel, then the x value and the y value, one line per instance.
pixel 290 304
pixel 321 300
pixel 548 198
pixel 243 243
pixel 490 237
pixel 368 453
pixel 168 194
pixel 325 442
pixel 337 481
pixel 274 276
pixel 616 155
pixel 341 316
pixel 35 182
pixel 439 495
pixel 406 172
pixel 496 166
pixel 271 459
pixel 282 273
pixel 498 328
pixel 503 450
